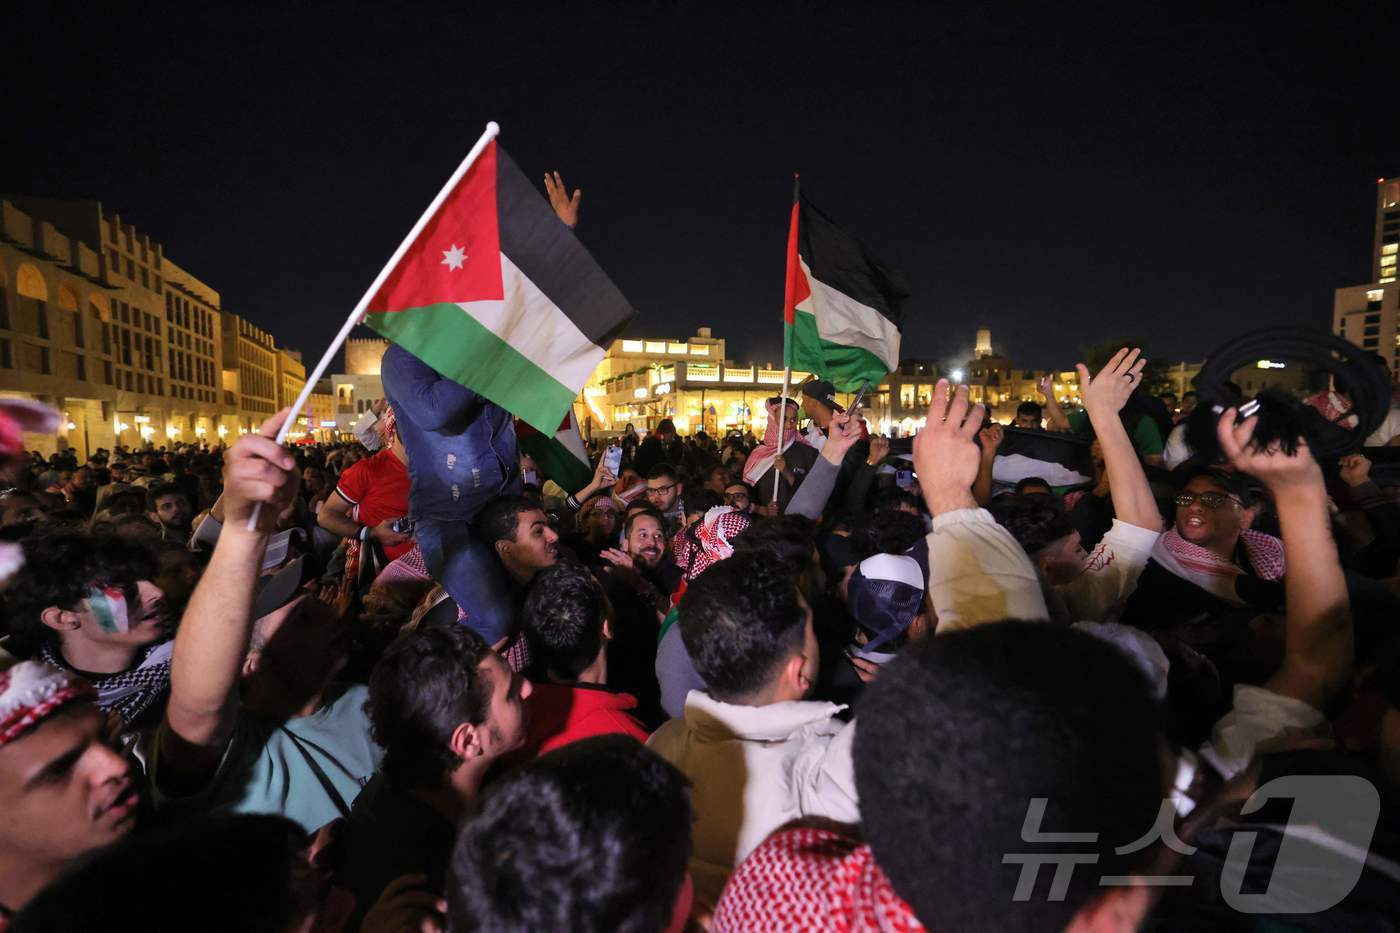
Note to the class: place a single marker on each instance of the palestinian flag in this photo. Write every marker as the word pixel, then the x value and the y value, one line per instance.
pixel 561 456
pixel 497 294
pixel 1061 459
pixel 842 310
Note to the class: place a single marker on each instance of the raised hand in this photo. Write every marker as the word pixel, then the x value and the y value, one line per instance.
pixel 616 558
pixel 259 471
pixel 946 457
pixel 1280 472
pixel 1108 392
pixel 1046 386
pixel 991 437
pixel 564 205
pixel 842 434
pixel 879 449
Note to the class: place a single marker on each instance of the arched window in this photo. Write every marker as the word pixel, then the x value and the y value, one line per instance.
pixel 30 283
pixel 66 299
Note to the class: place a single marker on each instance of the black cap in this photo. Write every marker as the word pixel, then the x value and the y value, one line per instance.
pixel 822 391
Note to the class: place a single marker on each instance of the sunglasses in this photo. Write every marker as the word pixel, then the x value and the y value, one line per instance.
pixel 1211 500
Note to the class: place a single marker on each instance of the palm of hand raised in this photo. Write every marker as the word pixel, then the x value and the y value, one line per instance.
pixel 564 205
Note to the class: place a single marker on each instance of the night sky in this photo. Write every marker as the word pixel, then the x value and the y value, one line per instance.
pixel 1129 172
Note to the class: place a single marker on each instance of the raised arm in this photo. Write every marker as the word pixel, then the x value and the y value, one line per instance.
pixel 216 627
pixel 1054 414
pixel 1318 637
pixel 430 401
pixel 977 571
pixel 1104 397
pixel 990 438
pixel 811 497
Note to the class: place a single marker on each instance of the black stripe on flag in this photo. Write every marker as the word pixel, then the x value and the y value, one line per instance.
pixel 546 250
pixel 839 260
pixel 1068 450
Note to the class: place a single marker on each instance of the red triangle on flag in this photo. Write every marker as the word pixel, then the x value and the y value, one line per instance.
pixel 457 255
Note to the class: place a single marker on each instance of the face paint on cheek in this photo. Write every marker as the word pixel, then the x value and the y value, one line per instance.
pixel 108 605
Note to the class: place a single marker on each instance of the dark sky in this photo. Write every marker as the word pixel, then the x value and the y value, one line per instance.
pixel 1125 172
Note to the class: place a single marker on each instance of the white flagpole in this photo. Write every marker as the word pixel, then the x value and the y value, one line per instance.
pixel 492 130
pixel 782 432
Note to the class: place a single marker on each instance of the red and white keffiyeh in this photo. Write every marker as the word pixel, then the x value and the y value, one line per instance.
pixel 1213 573
pixel 32 691
pixel 707 542
pixel 811 879
pixel 765 453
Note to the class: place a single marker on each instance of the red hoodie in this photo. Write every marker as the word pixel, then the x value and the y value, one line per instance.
pixel 560 714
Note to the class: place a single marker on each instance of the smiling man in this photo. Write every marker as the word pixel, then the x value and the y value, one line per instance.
pixel 63 791
pixel 87 604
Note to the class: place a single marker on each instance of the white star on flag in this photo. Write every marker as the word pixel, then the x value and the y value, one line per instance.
pixel 454 257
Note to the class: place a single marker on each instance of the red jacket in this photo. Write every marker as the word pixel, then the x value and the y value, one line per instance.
pixel 560 714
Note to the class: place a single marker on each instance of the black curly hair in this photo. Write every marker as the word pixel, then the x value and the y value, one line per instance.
pixel 62 567
pixel 422 689
pixel 740 620
pixel 563 618
pixel 593 836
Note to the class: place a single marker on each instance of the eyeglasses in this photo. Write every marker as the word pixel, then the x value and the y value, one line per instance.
pixel 1211 500
pixel 734 497
pixel 660 489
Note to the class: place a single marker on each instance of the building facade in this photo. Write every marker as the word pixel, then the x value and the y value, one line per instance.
pixel 98 323
pixel 1366 314
pixel 250 372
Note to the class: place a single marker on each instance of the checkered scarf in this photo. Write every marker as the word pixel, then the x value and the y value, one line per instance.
pixel 131 692
pixel 31 692
pixel 1213 573
pixel 707 541
pixel 811 879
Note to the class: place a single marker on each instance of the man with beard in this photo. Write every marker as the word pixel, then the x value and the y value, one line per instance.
pixel 169 507
pixel 639 580
pixel 87 604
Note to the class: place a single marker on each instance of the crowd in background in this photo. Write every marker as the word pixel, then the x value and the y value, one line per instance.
pixel 818 679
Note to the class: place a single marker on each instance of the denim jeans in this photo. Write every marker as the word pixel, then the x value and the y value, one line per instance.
pixel 471 573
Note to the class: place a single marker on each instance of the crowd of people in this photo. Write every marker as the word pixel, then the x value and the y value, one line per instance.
pixel 818 679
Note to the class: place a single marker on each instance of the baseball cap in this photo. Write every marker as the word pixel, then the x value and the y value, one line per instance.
pixel 822 391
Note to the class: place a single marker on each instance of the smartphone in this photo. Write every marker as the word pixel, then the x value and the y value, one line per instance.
pixel 403 526
pixel 612 459
pixel 904 478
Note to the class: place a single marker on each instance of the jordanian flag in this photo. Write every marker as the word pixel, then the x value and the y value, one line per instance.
pixel 560 456
pixel 497 294
pixel 843 307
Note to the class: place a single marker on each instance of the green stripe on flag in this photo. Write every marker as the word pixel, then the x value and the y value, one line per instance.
pixel 455 344
pixel 846 367
pixel 556 461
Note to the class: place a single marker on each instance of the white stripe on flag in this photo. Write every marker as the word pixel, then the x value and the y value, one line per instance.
pixel 537 329
pixel 843 320
pixel 569 438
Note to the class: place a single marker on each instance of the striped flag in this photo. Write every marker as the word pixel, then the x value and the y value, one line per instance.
pixel 560 456
pixel 842 308
pixel 497 294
